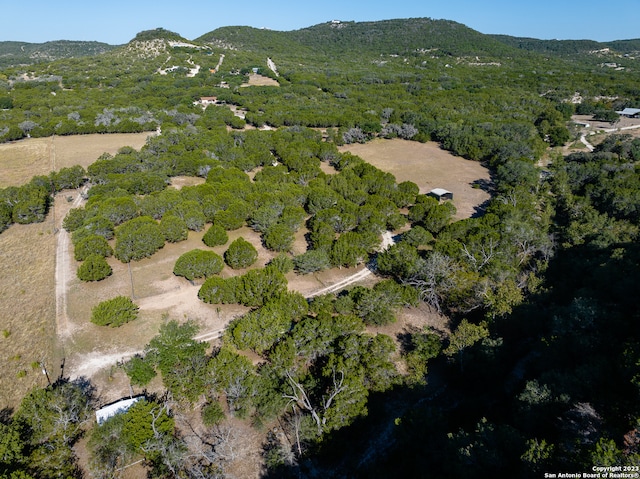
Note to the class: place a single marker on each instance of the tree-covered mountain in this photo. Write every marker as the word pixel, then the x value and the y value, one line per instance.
pixel 23 53
pixel 400 37
pixel 585 49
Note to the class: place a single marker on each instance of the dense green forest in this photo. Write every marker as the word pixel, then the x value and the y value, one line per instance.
pixel 539 372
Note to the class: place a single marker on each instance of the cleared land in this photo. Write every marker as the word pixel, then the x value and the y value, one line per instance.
pixel 24 159
pixel 27 308
pixel 429 166
pixel 260 80
pixel 28 262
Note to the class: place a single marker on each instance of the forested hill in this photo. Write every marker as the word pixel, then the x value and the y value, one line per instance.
pixel 569 47
pixel 158 34
pixel 23 53
pixel 401 36
pixel 398 36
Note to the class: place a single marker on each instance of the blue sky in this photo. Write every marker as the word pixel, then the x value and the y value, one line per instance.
pixel 118 21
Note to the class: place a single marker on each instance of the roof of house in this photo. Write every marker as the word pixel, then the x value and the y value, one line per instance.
pixel 122 405
pixel 440 192
pixel 629 111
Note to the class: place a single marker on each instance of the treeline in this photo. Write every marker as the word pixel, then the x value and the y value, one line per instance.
pixel 30 203
pixel 425 92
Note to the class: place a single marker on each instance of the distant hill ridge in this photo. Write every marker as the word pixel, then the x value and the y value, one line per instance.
pixel 17 53
pixel 398 36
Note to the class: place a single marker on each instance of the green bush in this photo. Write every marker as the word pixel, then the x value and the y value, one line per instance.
pixel 114 312
pixel 278 237
pixel 216 290
pixel 138 238
pixel 282 263
pixel 212 414
pixel 240 254
pixel 92 245
pixel 215 236
pixel 74 219
pixel 173 229
pixel 94 268
pixel 311 261
pixel 198 264
pixel 140 372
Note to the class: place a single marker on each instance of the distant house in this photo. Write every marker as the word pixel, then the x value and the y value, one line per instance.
pixel 630 112
pixel 205 101
pixel 117 407
pixel 440 194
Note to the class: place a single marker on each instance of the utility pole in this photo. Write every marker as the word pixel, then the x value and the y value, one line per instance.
pixel 44 371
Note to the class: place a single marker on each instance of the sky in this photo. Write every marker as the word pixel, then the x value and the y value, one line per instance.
pixel 118 21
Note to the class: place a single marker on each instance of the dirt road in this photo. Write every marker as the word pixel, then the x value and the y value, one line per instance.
pixel 88 365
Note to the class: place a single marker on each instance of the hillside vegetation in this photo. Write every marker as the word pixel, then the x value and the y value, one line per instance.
pixel 22 53
pixel 536 368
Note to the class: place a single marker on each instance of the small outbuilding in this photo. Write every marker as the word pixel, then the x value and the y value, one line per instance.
pixel 630 112
pixel 117 407
pixel 440 194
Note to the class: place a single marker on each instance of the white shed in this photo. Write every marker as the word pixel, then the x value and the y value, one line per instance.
pixel 117 407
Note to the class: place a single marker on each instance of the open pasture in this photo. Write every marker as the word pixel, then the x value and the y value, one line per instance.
pixel 24 159
pixel 429 166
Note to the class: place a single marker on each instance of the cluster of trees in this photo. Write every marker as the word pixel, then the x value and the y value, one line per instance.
pixel 37 440
pixel 30 203
pixel 130 203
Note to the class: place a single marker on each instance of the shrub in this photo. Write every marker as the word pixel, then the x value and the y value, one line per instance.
pixel 92 245
pixel 240 254
pixel 114 312
pixel 74 219
pixel 281 263
pixel 279 237
pixel 216 290
pixel 140 372
pixel 212 414
pixel 311 261
pixel 137 239
pixel 215 236
pixel 173 229
pixel 198 264
pixel 94 268
pixel 256 286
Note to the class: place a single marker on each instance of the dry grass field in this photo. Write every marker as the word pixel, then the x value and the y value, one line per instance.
pixel 27 308
pixel 427 165
pixel 260 80
pixel 27 262
pixel 21 160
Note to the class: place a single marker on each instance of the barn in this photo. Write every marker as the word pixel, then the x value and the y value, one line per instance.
pixel 440 194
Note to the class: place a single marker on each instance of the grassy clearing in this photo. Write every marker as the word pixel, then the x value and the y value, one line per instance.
pixel 429 166
pixel 21 160
pixel 27 309
pixel 160 295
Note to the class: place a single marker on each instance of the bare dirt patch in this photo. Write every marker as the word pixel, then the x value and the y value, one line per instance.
pixel 429 166
pixel 260 80
pixel 179 182
pixel 21 160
